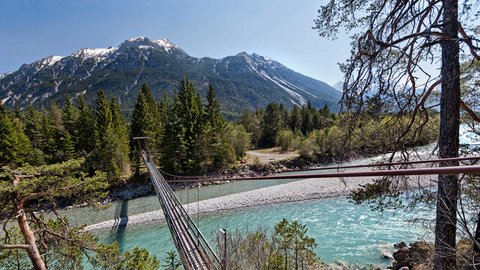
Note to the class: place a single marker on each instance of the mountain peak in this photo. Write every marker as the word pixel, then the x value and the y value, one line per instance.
pixel 256 80
pixel 146 43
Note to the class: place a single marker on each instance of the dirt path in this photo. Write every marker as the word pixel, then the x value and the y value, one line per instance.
pixel 269 155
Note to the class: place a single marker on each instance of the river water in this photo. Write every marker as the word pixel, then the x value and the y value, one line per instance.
pixel 343 231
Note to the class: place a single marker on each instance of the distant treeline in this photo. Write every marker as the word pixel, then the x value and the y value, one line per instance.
pixel 320 134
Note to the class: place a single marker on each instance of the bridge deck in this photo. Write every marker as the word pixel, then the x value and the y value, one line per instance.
pixel 194 251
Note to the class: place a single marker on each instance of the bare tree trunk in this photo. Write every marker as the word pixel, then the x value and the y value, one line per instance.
pixel 448 142
pixel 476 243
pixel 29 238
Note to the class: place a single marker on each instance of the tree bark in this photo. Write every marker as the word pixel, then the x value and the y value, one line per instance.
pixel 476 243
pixel 448 142
pixel 29 238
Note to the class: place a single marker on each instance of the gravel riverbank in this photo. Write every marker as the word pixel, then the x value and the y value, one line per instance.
pixel 301 190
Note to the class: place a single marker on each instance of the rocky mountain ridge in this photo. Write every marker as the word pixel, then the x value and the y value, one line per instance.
pixel 243 81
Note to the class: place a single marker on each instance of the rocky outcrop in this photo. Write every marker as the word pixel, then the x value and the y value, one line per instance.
pixel 417 256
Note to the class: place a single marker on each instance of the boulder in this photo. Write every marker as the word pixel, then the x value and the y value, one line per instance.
pixel 401 254
pixel 416 256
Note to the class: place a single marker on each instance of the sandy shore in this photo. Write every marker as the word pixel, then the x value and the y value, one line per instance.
pixel 307 189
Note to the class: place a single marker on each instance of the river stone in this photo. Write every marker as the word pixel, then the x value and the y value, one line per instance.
pixel 400 245
pixel 400 255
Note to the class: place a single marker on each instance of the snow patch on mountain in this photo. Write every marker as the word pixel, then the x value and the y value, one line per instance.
pixel 96 53
pixel 295 87
pixel 301 100
pixel 4 100
pixel 166 44
pixel 338 86
pixel 50 61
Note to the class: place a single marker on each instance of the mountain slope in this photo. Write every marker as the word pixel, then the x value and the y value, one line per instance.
pixel 242 81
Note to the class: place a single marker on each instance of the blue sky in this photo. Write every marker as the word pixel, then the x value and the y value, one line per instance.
pixel 280 29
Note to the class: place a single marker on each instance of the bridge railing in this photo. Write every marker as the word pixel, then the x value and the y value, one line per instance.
pixel 201 243
pixel 195 231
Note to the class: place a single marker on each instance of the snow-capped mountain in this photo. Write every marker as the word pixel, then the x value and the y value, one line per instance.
pixel 244 81
pixel 338 86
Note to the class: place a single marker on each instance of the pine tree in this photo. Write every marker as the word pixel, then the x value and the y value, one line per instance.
pixel 146 119
pixel 173 144
pixel 85 126
pixel 14 144
pixel 295 118
pixel 68 146
pixel 33 127
pixel 120 129
pixel 103 116
pixel 106 140
pixel 216 151
pixel 33 130
pixel 140 122
pixel 54 132
pixel 190 111
pixel 274 120
pixel 212 111
pixel 69 118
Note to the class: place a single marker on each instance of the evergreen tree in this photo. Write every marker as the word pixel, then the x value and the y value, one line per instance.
pixel 274 120
pixel 140 118
pixel 190 111
pixel 85 126
pixel 121 132
pixel 33 130
pixel 69 118
pixel 103 117
pixel 54 132
pixel 162 120
pixel 253 123
pixel 296 118
pixel 146 118
pixel 215 149
pixel 107 142
pixel 173 144
pixel 308 117
pixel 212 111
pixel 68 146
pixel 14 144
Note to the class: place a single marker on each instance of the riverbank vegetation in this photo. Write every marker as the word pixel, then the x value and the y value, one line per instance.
pixel 287 247
pixel 321 135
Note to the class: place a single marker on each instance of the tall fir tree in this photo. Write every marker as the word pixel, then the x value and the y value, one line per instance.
pixel 55 134
pixel 85 126
pixel 69 118
pixel 190 110
pixel 274 120
pixel 106 140
pixel 14 144
pixel 212 110
pixel 33 129
pixel 217 152
pixel 173 150
pixel 121 132
pixel 145 117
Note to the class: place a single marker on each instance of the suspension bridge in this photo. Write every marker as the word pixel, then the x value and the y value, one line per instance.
pixel 194 250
